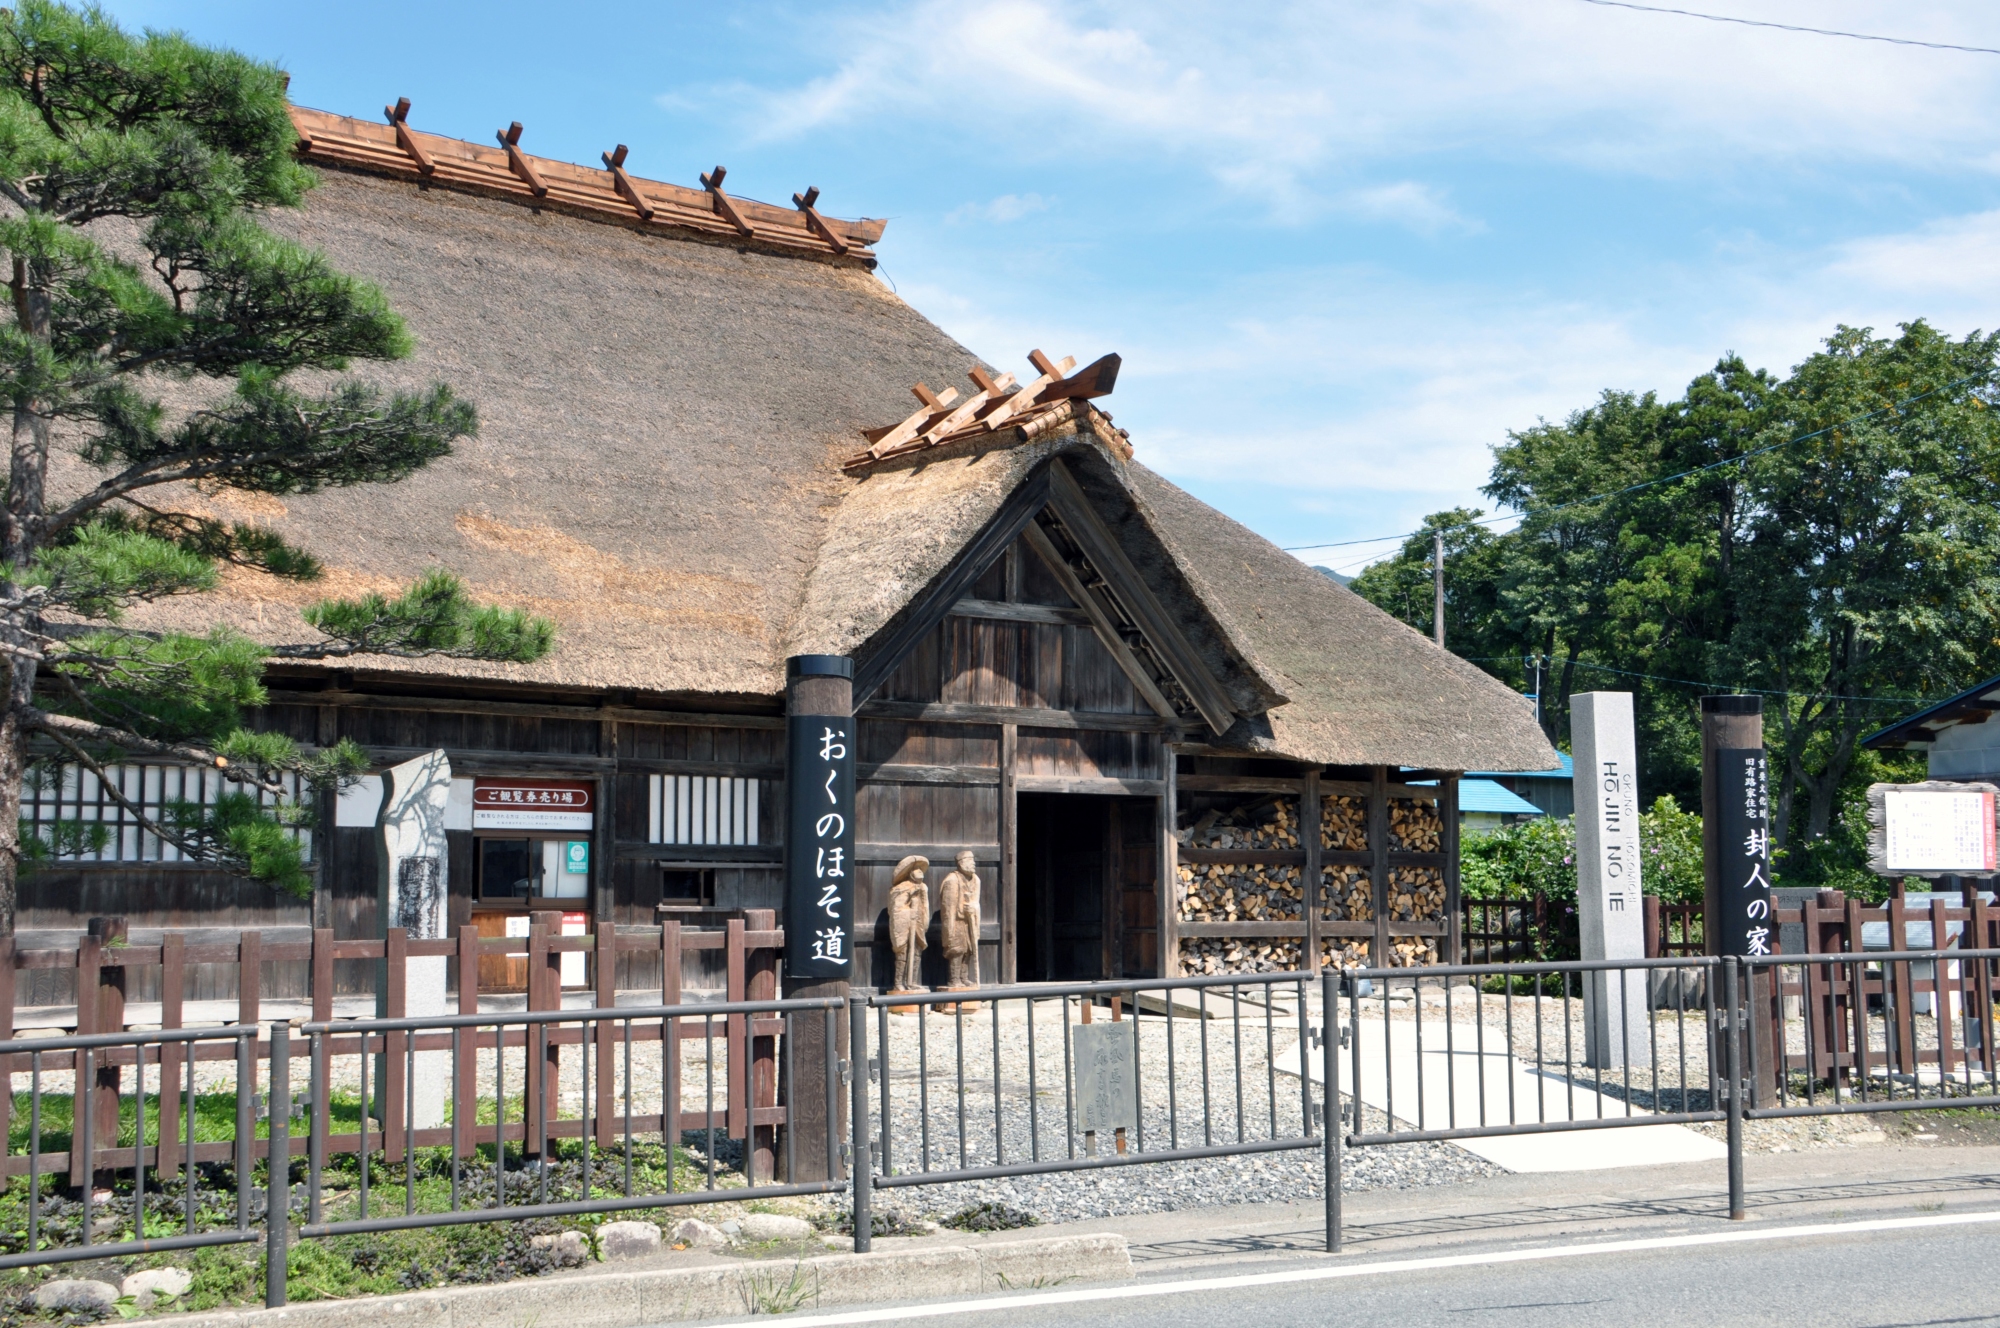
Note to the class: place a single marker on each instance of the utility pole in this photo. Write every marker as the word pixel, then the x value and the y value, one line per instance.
pixel 1437 583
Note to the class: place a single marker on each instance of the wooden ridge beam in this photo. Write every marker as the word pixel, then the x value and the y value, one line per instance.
pixel 615 163
pixel 804 202
pixel 394 149
pixel 399 115
pixel 517 161
pixel 724 205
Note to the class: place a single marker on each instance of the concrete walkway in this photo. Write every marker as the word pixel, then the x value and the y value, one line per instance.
pixel 1429 1085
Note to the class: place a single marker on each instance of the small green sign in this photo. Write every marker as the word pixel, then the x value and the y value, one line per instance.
pixel 576 857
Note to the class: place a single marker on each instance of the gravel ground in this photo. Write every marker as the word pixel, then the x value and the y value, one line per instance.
pixel 1172 1115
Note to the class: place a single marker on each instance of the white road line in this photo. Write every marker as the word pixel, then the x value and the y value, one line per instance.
pixel 1735 1236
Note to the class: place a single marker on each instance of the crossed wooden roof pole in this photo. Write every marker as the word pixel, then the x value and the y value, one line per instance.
pixel 613 193
pixel 1002 402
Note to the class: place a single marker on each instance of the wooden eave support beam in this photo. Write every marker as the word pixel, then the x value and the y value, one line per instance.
pixel 399 115
pixel 804 202
pixel 615 163
pixel 1101 548
pixel 724 205
pixel 517 161
pixel 1107 630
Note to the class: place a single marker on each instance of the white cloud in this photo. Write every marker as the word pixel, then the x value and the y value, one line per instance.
pixel 1006 208
pixel 1272 96
pixel 1419 207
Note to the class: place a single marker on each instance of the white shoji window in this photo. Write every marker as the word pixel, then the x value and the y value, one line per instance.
pixel 72 793
pixel 702 809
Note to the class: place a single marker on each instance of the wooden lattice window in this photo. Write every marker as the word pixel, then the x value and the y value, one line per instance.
pixel 68 792
pixel 703 809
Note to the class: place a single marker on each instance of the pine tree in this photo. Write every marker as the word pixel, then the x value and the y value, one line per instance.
pixel 137 168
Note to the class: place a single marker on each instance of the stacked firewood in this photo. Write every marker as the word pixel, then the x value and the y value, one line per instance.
pixel 1415 827
pixel 1416 894
pixel 1243 892
pixel 1246 893
pixel 1229 955
pixel 1343 822
pixel 1346 894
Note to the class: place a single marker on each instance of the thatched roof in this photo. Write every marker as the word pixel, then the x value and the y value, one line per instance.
pixel 658 469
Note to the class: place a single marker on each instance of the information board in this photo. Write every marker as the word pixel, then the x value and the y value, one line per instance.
pixel 1932 829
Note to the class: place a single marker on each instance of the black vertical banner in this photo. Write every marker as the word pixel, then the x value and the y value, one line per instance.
pixel 819 846
pixel 1743 822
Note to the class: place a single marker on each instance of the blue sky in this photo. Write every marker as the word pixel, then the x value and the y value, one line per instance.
pixel 1343 248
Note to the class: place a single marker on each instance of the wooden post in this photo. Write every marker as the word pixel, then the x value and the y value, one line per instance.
pixel 1732 722
pixel 1010 870
pixel 393 1082
pixel 1653 938
pixel 762 985
pixel 1454 909
pixel 465 1091
pixel 815 685
pixel 604 968
pixel 322 974
pixel 1170 865
pixel 1897 985
pixel 100 990
pixel 173 994
pixel 1309 841
pixel 544 1075
pixel 1378 864
pixel 670 1032
pixel 736 1036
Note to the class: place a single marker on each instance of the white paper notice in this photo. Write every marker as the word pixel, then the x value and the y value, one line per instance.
pixel 1935 830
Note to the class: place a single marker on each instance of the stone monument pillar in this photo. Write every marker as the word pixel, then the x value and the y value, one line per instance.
pixel 413 862
pixel 1609 908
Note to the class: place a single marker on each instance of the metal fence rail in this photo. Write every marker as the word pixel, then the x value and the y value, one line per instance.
pixel 1891 1030
pixel 87 1073
pixel 1518 1074
pixel 426 1122
pixel 976 1073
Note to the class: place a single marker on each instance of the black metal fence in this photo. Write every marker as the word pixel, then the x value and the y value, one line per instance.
pixel 150 1141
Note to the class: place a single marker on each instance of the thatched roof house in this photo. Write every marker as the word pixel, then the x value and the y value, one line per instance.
pixel 673 385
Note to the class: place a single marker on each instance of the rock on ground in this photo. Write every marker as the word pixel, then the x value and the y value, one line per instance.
pixel 156 1284
pixel 761 1227
pixel 567 1246
pixel 697 1234
pixel 74 1294
pixel 628 1240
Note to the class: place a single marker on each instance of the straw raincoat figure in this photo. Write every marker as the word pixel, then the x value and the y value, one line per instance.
pixel 958 916
pixel 909 919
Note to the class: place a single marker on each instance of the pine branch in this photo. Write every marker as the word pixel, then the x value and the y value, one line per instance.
pixel 69 730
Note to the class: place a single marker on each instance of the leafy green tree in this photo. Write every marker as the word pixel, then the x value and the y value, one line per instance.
pixel 135 169
pixel 1475 622
pixel 1871 567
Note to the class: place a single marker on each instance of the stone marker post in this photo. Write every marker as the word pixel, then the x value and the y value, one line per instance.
pixel 1609 907
pixel 413 860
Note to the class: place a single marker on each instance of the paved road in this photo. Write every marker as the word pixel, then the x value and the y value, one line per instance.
pixel 1858 1275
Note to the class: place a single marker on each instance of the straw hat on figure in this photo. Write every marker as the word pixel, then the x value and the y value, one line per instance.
pixel 909 919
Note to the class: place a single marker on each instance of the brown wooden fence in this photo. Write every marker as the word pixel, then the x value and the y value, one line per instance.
pixel 750 947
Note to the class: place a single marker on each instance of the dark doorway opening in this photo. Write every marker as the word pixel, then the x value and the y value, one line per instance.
pixel 1088 888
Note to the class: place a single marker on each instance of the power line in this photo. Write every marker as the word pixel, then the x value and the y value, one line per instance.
pixel 1664 479
pixel 1711 686
pixel 1794 27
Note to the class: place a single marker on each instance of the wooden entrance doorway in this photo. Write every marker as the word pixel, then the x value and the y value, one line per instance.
pixel 1089 887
